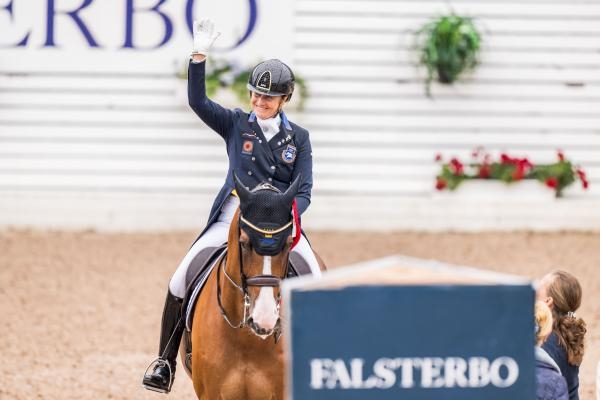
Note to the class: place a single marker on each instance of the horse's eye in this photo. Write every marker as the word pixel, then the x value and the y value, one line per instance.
pixel 245 244
pixel 245 241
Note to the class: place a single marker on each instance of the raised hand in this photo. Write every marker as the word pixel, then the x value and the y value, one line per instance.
pixel 204 36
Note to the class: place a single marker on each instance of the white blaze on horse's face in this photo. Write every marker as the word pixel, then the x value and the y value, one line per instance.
pixel 265 312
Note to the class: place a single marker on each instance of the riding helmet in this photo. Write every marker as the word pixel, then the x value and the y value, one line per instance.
pixel 272 78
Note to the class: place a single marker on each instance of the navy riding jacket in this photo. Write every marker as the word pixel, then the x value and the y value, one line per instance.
pixel 570 372
pixel 254 159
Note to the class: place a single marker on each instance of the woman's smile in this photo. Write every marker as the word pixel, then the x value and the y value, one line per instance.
pixel 265 106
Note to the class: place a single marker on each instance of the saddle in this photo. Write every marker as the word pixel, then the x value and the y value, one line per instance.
pixel 197 275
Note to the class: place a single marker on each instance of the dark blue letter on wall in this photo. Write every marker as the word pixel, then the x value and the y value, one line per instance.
pixel 9 8
pixel 130 10
pixel 252 16
pixel 73 14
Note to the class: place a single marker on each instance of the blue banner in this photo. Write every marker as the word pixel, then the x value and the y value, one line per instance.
pixel 450 342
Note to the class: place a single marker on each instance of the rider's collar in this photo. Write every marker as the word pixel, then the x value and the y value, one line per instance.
pixel 284 119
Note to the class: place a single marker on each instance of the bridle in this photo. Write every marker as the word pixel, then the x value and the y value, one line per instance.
pixel 262 280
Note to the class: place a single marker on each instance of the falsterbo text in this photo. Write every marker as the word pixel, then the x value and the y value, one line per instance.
pixel 426 372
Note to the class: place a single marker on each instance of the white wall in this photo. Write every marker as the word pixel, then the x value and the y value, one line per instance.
pixel 102 137
pixel 537 90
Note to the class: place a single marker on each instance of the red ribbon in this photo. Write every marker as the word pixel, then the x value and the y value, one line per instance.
pixel 296 225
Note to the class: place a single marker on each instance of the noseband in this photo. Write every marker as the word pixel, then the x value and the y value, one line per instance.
pixel 261 280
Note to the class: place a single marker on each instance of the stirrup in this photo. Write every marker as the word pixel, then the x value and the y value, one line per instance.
pixel 159 362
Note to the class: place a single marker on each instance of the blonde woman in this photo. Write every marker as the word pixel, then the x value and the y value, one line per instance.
pixel 562 293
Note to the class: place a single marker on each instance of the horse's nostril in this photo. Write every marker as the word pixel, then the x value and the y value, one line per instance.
pixel 259 330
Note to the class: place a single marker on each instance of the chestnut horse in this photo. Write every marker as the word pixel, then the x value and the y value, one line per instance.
pixel 236 353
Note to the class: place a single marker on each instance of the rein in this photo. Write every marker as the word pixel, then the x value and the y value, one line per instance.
pixel 244 320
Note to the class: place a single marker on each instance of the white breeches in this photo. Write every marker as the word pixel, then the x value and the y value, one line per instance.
pixel 216 235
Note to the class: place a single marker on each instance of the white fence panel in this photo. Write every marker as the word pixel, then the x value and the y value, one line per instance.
pixel 104 137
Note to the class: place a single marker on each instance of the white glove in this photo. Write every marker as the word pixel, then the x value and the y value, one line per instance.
pixel 204 36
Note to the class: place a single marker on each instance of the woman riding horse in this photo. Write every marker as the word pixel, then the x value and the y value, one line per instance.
pixel 262 146
pixel 229 362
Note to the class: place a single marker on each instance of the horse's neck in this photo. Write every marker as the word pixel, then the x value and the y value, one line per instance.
pixel 232 297
pixel 232 266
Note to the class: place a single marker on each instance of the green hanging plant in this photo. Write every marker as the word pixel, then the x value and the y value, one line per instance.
pixel 448 46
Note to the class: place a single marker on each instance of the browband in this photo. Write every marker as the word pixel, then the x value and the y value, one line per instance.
pixel 266 231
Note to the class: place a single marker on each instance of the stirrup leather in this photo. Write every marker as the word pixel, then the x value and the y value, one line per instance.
pixel 159 362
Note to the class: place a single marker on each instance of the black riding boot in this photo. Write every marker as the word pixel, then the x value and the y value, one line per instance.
pixel 162 377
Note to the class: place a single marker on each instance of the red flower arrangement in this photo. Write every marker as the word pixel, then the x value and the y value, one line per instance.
pixel 556 176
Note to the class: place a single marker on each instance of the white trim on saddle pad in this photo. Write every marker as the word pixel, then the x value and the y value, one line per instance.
pixel 199 285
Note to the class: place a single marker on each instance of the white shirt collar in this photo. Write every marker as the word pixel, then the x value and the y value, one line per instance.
pixel 269 126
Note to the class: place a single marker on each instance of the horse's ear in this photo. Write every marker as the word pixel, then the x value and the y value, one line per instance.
pixel 243 193
pixel 291 192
